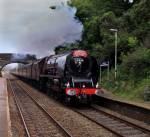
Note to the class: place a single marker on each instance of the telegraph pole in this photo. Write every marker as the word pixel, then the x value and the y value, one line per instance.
pixel 116 39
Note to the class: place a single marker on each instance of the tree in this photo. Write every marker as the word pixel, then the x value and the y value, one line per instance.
pixel 137 64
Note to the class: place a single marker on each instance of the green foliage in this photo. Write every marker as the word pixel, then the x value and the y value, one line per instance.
pixel 138 19
pixel 132 41
pixel 126 87
pixel 137 64
pixel 98 16
pixel 83 13
pixel 60 49
pixel 97 51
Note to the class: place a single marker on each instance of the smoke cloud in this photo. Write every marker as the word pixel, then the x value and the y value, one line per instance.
pixel 32 27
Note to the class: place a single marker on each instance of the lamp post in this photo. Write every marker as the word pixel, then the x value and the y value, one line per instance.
pixel 116 37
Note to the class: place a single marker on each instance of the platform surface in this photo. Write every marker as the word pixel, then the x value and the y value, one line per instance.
pixel 4 110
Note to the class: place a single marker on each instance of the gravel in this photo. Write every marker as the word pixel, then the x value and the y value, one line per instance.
pixel 17 128
pixel 76 124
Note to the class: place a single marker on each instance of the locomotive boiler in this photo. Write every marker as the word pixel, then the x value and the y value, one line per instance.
pixel 71 76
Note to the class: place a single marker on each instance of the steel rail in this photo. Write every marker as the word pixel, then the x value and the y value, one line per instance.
pixel 100 124
pixel 108 128
pixel 103 125
pixel 19 109
pixel 123 120
pixel 41 106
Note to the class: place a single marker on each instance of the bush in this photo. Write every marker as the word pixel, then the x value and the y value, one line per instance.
pixel 137 64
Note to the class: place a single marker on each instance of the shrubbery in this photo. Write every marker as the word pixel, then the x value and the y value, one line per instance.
pixel 137 63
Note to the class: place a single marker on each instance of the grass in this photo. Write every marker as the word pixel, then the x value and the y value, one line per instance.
pixel 128 89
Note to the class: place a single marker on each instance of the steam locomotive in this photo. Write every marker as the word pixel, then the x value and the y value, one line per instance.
pixel 72 76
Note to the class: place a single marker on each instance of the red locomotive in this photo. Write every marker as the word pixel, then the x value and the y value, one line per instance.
pixel 72 75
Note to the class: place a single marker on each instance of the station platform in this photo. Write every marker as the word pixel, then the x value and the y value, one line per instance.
pixel 4 110
pixel 108 94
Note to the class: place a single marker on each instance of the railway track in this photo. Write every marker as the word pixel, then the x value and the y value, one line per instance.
pixel 79 129
pixel 117 126
pixel 36 120
pixel 132 110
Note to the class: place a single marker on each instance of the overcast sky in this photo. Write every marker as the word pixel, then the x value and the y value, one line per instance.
pixel 30 26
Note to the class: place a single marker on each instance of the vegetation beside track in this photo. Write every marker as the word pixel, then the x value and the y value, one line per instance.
pixel 129 89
